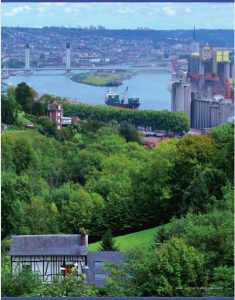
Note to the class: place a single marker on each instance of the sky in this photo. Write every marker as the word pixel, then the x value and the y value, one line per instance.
pixel 120 15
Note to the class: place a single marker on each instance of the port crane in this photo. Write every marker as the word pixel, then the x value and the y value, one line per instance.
pixel 228 91
pixel 124 95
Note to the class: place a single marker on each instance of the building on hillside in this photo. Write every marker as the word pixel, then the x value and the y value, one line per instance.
pixel 56 113
pixel 55 256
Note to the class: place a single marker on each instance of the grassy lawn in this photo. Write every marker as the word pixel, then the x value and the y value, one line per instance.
pixel 21 120
pixel 144 238
pixel 23 132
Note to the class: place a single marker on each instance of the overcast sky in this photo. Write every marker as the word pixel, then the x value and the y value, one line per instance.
pixel 120 15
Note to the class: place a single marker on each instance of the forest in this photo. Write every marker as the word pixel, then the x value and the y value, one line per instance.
pixel 96 174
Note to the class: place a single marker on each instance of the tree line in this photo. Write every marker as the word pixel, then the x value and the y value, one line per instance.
pixel 176 122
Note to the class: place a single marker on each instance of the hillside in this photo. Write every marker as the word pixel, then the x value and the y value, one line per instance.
pixel 144 238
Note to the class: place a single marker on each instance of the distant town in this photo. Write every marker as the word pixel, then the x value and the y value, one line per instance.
pixel 100 46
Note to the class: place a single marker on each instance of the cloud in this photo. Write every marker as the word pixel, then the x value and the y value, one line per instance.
pixel 188 10
pixel 67 10
pixel 41 9
pixel 16 10
pixel 169 11
pixel 124 11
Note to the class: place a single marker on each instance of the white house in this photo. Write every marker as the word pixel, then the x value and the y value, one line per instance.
pixel 49 256
pixel 55 256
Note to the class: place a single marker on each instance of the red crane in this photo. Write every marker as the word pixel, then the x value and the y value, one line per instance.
pixel 228 91
pixel 209 76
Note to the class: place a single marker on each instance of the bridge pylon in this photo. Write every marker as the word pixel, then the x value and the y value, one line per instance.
pixel 27 61
pixel 68 58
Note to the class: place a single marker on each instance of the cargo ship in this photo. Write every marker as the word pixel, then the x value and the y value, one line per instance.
pixel 113 99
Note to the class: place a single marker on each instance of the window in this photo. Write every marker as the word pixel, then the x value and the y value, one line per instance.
pixel 99 263
pixel 67 269
pixel 100 276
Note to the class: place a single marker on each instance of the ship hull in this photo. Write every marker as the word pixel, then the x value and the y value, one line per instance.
pixel 125 105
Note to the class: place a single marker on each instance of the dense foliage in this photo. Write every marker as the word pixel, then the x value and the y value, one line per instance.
pixel 97 174
pixel 193 257
pixel 175 269
pixel 27 284
pixel 157 120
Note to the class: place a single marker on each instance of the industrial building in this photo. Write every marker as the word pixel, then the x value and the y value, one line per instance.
pixel 206 92
pixel 207 113
pixel 181 97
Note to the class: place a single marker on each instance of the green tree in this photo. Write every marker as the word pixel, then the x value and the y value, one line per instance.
pixel 23 95
pixel 77 213
pixel 153 185
pixel 70 286
pixel 223 137
pixel 222 284
pixel 174 269
pixel 38 217
pixel 22 154
pixel 8 110
pixel 38 109
pixel 12 210
pixel 157 120
pixel 194 153
pixel 203 191
pixel 130 133
pixel 47 127
pixel 210 233
pixel 22 284
pixel 108 242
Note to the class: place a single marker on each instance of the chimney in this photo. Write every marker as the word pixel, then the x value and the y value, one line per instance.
pixel 83 237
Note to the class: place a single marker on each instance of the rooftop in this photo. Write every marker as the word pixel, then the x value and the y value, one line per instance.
pixel 54 106
pixel 51 244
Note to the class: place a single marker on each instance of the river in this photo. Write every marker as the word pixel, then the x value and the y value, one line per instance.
pixel 150 87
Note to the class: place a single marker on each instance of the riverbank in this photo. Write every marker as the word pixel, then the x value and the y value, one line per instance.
pixel 102 79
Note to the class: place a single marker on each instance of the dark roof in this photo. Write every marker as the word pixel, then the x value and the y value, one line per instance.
pixel 53 244
pixel 111 256
pixel 54 106
pixel 106 256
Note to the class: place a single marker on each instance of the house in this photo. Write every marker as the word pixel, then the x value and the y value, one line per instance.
pixel 56 113
pixel 56 255
pixel 96 262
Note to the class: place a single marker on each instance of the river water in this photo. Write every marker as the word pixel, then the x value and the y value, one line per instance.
pixel 151 88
